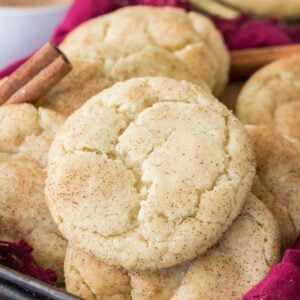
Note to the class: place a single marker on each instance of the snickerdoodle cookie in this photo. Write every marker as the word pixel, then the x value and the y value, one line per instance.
pixel 25 137
pixel 97 69
pixel 276 8
pixel 272 97
pixel 123 45
pixel 240 259
pixel 277 182
pixel 149 173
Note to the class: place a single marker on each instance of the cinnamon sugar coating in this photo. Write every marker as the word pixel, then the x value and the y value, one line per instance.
pixel 149 173
pixel 25 137
pixel 240 259
pixel 271 97
pixel 135 42
pixel 277 182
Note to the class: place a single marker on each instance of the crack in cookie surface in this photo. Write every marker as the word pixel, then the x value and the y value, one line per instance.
pixel 226 271
pixel 163 167
pixel 171 43
pixel 278 178
pixel 141 186
pixel 27 132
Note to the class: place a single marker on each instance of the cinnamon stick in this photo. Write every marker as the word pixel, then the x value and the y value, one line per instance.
pixel 43 82
pixel 28 70
pixel 245 62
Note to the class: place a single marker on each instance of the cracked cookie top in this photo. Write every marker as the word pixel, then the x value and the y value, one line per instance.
pixel 97 68
pixel 149 173
pixel 272 97
pixel 26 132
pixel 188 37
pixel 135 42
pixel 25 137
pixel 241 259
pixel 277 182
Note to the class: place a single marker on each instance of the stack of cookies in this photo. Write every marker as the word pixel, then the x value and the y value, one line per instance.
pixel 149 181
pixel 270 102
pixel 25 137
pixel 157 189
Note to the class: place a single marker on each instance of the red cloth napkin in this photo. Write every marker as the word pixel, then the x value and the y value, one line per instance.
pixel 247 32
pixel 18 256
pixel 283 280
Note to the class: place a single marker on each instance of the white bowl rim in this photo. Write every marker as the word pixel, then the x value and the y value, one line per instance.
pixel 44 10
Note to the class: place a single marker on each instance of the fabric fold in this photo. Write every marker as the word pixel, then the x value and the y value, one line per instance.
pixel 283 280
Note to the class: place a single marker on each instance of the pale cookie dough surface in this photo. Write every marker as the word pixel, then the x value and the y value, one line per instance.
pixel 276 8
pixel 241 259
pixel 188 37
pixel 277 182
pixel 272 97
pixel 97 69
pixel 25 137
pixel 149 173
pixel 26 132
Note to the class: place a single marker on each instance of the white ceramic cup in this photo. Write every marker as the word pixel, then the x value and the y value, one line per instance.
pixel 24 30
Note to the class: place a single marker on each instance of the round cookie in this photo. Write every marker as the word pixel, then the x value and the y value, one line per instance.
pixel 241 258
pixel 272 97
pixel 149 173
pixel 190 37
pixel 96 69
pixel 277 182
pixel 25 137
pixel 276 8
